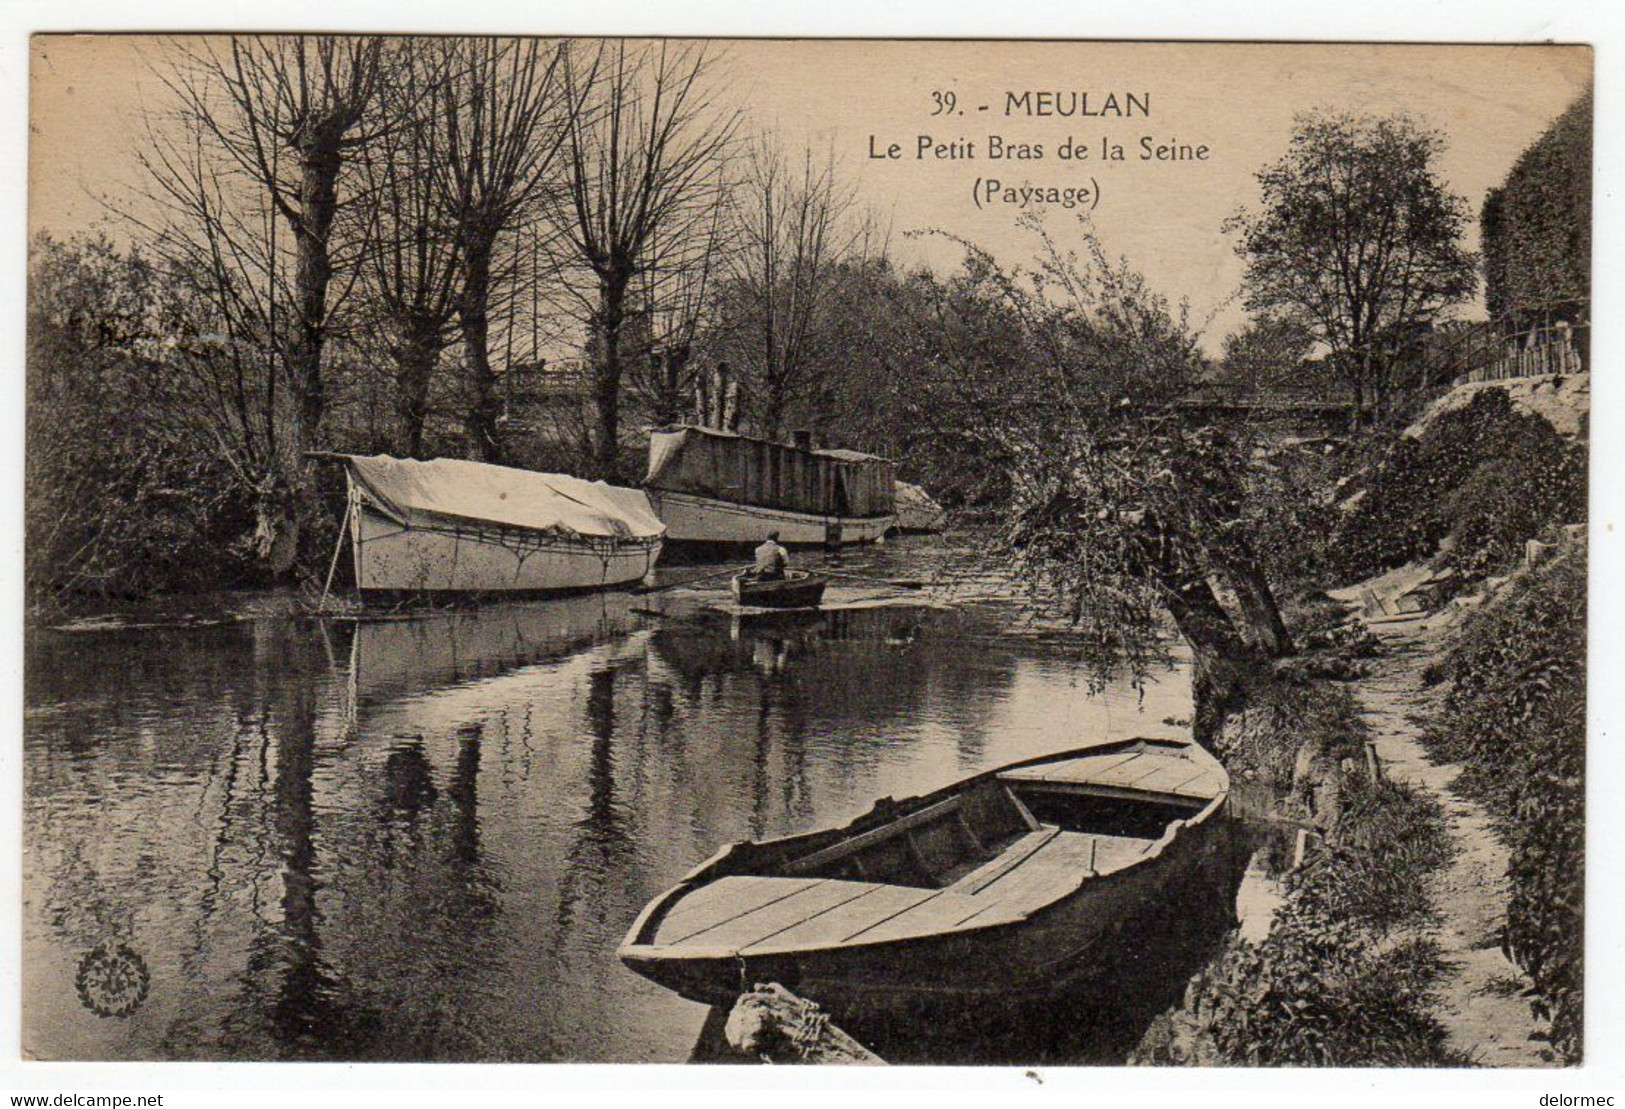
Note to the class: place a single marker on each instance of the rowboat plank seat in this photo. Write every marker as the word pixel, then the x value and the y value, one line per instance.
pixel 881 903
pixel 728 898
pixel 753 914
pixel 809 903
pixel 1148 770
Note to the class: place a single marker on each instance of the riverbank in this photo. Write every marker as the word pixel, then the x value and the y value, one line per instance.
pixel 1345 973
pixel 1392 946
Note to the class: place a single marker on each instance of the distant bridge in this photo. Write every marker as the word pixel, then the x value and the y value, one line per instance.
pixel 1275 404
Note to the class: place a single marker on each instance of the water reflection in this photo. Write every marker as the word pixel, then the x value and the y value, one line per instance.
pixel 423 838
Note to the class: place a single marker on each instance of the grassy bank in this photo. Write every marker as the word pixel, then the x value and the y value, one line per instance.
pixel 1513 716
pixel 1347 973
pixel 1343 977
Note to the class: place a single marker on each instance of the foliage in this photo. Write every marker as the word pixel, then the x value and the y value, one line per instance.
pixel 1291 508
pixel 1537 229
pixel 1538 483
pixel 1316 992
pixel 1340 980
pixel 1485 473
pixel 1283 717
pixel 1389 838
pixel 1117 511
pixel 1358 236
pixel 119 501
pixel 1514 717
pixel 913 361
pixel 1273 349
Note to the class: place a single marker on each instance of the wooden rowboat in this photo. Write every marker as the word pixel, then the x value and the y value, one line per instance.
pixel 797 589
pixel 1000 886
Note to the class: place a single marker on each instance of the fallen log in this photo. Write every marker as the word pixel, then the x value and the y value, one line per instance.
pixel 774 1025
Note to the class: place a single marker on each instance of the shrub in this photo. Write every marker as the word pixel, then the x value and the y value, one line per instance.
pixel 1486 473
pixel 1317 992
pixel 1330 985
pixel 119 500
pixel 1509 500
pixel 1291 510
pixel 1284 716
pixel 1374 871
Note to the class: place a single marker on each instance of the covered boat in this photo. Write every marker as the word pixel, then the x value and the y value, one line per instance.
pixel 450 526
pixel 1002 885
pixel 797 589
pixel 916 511
pixel 719 487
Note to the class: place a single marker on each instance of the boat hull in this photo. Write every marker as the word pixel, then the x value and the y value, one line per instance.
pixel 1074 925
pixel 803 591
pixel 394 559
pixel 694 519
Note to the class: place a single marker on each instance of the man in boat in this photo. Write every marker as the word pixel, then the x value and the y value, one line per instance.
pixel 772 560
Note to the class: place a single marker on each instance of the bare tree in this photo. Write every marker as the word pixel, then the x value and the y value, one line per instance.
pixel 678 297
pixel 645 160
pixel 507 112
pixel 413 257
pixel 220 236
pixel 264 131
pixel 295 109
pixel 792 230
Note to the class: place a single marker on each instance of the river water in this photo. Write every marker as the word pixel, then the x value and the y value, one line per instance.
pixel 422 837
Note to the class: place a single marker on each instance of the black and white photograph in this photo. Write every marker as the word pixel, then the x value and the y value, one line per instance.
pixel 853 552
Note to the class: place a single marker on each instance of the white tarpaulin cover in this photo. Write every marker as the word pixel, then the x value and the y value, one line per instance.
pixel 450 489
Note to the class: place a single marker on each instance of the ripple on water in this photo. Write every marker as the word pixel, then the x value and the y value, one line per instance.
pixel 424 837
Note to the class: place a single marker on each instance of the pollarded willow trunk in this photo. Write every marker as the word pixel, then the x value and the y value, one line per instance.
pixel 415 360
pixel 313 273
pixel 284 505
pixel 1223 662
pixel 278 524
pixel 606 378
pixel 1221 688
pixel 473 316
pixel 1266 629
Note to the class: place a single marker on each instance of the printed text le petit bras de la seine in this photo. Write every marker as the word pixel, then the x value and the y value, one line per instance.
pixel 1049 157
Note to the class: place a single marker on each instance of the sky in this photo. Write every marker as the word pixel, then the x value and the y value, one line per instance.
pixel 857 98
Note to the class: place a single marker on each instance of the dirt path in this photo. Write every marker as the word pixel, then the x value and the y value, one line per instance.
pixel 1480 1002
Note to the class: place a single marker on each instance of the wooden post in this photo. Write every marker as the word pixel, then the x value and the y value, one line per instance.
pixel 344 530
pixel 1300 847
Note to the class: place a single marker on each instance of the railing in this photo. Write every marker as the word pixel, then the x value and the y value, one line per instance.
pixel 1544 351
pixel 1248 398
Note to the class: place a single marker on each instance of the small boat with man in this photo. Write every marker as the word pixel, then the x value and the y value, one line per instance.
pixel 770 583
pixel 796 589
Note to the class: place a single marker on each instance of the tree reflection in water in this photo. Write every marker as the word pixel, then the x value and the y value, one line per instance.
pixel 423 838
